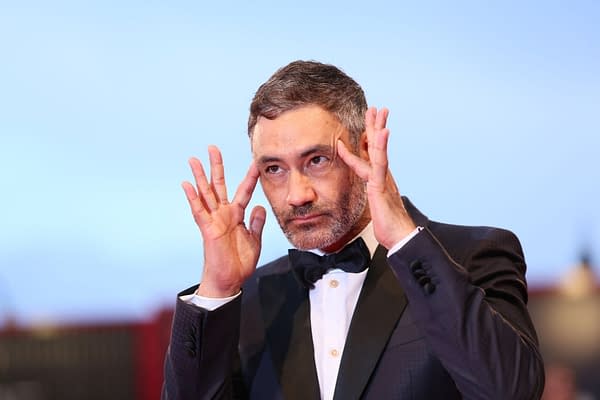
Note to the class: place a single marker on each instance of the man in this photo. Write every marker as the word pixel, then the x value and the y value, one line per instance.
pixel 398 307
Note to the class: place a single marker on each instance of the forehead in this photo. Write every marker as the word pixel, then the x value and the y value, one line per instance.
pixel 294 131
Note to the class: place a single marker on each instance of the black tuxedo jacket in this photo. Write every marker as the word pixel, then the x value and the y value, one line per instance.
pixel 443 318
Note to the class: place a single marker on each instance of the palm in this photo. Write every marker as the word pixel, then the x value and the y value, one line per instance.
pixel 226 237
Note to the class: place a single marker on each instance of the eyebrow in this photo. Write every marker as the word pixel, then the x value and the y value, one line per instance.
pixel 319 148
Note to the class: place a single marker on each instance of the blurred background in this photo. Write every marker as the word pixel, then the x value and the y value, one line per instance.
pixel 495 120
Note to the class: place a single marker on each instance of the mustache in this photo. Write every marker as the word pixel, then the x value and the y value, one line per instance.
pixel 301 211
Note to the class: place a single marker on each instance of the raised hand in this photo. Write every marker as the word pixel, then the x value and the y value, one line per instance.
pixel 391 222
pixel 231 249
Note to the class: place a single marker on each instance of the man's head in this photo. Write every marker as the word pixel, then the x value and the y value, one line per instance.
pixel 302 83
pixel 296 119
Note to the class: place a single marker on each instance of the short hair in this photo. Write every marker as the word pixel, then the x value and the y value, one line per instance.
pixel 303 83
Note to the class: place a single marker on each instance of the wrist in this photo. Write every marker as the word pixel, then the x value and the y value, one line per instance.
pixel 205 289
pixel 399 235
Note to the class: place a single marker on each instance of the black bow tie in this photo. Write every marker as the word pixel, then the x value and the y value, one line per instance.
pixel 310 267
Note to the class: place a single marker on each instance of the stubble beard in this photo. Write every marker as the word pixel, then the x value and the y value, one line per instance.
pixel 344 215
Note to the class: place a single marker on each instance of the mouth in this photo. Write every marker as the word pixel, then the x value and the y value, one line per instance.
pixel 305 219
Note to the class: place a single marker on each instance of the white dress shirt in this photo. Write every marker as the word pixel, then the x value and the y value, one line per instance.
pixel 332 304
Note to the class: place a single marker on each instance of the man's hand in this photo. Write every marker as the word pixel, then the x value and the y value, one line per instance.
pixel 391 222
pixel 231 250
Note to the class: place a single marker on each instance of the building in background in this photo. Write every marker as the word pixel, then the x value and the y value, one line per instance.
pixel 567 318
pixel 125 360
pixel 92 362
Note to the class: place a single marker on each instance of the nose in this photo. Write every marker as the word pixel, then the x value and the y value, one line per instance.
pixel 300 189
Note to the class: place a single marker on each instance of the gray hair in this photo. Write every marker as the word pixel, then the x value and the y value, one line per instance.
pixel 303 83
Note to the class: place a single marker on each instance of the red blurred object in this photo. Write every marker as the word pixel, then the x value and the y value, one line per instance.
pixel 88 361
pixel 125 360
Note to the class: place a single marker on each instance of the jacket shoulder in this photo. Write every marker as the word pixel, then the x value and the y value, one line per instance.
pixel 464 238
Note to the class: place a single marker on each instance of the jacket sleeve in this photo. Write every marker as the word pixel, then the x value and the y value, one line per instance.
pixel 201 360
pixel 472 309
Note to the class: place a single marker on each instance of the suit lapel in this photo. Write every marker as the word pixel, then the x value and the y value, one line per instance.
pixel 380 305
pixel 286 313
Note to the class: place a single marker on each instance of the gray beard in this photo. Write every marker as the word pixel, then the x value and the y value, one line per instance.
pixel 352 206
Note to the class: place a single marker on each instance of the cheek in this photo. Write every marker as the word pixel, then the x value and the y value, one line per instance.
pixel 333 187
pixel 275 193
pixel 344 178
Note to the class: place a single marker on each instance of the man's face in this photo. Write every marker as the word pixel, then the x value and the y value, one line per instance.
pixel 317 199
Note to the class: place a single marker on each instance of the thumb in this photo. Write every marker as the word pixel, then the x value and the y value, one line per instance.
pixel 358 165
pixel 257 221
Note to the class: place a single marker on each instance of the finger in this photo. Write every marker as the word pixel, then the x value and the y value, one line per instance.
pixel 378 157
pixel 217 174
pixel 381 118
pixel 204 190
pixel 199 212
pixel 370 116
pixel 358 165
pixel 244 192
pixel 258 217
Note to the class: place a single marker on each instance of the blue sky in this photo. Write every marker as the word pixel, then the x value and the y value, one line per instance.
pixel 495 119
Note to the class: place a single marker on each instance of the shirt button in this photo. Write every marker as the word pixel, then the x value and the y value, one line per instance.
pixel 334 283
pixel 334 353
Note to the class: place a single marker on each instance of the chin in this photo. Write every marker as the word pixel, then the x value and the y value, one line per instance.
pixel 311 239
pixel 305 243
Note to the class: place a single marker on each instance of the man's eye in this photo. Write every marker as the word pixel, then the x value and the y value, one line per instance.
pixel 319 160
pixel 272 169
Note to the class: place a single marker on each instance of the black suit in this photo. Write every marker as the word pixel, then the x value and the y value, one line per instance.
pixel 443 318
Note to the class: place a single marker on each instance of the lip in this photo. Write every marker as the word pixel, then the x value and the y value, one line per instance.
pixel 306 218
